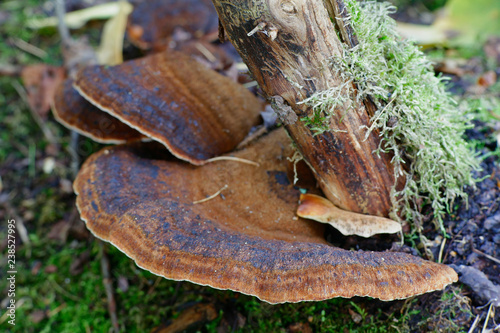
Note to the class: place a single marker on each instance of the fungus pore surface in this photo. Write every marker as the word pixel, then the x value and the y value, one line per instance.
pixel 75 112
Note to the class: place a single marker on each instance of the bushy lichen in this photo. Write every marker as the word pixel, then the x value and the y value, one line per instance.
pixel 418 120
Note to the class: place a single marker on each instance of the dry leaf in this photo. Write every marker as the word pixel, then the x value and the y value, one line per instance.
pixel 41 82
pixel 110 51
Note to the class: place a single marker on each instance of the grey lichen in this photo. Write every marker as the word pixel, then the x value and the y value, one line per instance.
pixel 418 120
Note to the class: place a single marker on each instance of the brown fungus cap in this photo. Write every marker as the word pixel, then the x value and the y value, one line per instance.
pixel 170 97
pixel 153 22
pixel 246 239
pixel 74 112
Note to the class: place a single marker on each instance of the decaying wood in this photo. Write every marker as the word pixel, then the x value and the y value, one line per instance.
pixel 287 52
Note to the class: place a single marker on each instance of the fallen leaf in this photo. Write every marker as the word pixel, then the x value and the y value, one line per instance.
pixel 492 49
pixel 483 82
pixel 59 231
pixel 41 82
pixel 450 66
pixel 78 18
pixel 37 316
pixel 487 79
pixel 66 186
pixel 422 34
pixel 78 265
pixel 110 51
pixel 232 320
pixel 78 230
pixel 49 163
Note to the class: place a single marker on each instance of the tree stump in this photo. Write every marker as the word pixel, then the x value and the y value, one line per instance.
pixel 287 46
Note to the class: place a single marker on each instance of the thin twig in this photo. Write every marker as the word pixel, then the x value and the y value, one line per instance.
pixel 108 286
pixel 206 52
pixel 440 257
pixel 61 24
pixel 73 150
pixel 487 319
pixel 56 310
pixel 485 255
pixel 20 227
pixel 66 42
pixel 231 158
pixel 252 137
pixel 10 70
pixel 153 287
pixel 210 197
pixel 63 291
pixel 27 47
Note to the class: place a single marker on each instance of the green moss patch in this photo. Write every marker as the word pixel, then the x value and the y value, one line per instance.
pixel 419 122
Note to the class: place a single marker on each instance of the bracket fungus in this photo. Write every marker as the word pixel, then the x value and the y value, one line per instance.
pixel 170 98
pixel 244 235
pixel 348 223
pixel 246 240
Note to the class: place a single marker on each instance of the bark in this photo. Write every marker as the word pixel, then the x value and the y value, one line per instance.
pixel 288 57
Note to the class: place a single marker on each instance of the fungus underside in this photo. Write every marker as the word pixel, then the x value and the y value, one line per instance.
pixel 418 121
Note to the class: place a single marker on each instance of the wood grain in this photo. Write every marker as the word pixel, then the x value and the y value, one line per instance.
pixel 293 65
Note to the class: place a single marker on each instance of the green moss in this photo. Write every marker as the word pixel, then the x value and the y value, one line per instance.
pixel 418 120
